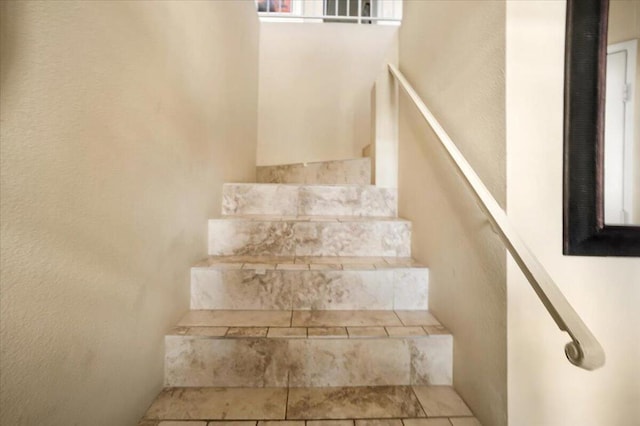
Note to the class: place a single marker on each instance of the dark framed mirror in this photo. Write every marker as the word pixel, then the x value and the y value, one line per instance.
pixel 601 132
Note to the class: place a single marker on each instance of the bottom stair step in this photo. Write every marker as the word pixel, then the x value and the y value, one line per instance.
pixel 308 348
pixel 334 406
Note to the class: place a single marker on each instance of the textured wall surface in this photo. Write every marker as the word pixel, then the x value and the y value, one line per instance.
pixel 120 120
pixel 315 89
pixel 544 389
pixel 452 52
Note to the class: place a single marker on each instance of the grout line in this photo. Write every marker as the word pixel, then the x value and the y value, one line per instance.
pixel 399 319
pixel 286 404
pixel 418 399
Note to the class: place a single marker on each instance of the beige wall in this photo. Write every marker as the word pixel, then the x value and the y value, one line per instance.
pixel 315 89
pixel 120 121
pixel 544 389
pixel 452 52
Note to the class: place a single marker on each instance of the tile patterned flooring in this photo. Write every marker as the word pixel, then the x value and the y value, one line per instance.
pixel 334 406
pixel 308 324
pixel 307 262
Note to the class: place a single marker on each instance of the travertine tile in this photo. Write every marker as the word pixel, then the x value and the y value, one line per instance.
pixel 281 423
pixel 330 423
pixel 401 261
pixel 355 171
pixel 292 332
pixel 322 267
pixel 208 331
pixel 426 422
pixel 366 332
pixel 247 332
pixel 262 199
pixel 411 288
pixel 349 362
pixel 181 423
pixel 344 318
pixel 405 331
pixel 345 403
pixel 347 200
pixel 327 332
pixel 234 289
pixel 179 331
pixel 357 266
pixel 219 403
pixel 233 423
pixel 218 265
pixel 216 318
pixel 308 201
pixel 411 318
pixel 464 421
pixel 359 259
pixel 353 238
pixel 251 237
pixel 436 329
pixel 380 422
pixel 293 267
pixel 259 266
pixel 335 290
pixel 249 362
pixel 432 360
pixel 312 238
pixel 441 401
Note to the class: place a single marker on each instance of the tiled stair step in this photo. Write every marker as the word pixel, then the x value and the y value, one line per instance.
pixel 308 200
pixel 308 348
pixel 316 236
pixel 356 171
pixel 236 282
pixel 335 406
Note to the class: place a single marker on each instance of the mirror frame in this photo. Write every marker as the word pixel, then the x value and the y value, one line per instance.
pixel 584 230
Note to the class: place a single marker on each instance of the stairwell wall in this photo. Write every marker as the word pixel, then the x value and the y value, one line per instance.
pixel 452 52
pixel 119 123
pixel 315 89
pixel 544 389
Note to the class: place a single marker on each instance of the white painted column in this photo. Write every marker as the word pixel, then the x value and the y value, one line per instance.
pixel 385 131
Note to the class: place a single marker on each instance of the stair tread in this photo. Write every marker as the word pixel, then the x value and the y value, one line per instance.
pixel 309 163
pixel 313 185
pixel 319 403
pixel 307 262
pixel 319 218
pixel 308 318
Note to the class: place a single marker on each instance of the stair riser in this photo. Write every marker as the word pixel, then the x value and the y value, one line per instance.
pixel 295 200
pixel 289 238
pixel 251 362
pixel 400 289
pixel 356 172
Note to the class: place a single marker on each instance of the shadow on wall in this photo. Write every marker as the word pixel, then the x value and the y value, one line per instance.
pixel 117 119
pixel 8 41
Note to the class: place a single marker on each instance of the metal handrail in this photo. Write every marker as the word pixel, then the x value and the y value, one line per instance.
pixel 584 350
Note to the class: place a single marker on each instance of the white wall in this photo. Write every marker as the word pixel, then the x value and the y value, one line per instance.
pixel 452 52
pixel 120 120
pixel 544 389
pixel 315 89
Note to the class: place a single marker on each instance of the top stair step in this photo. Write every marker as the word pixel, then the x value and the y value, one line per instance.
pixel 355 171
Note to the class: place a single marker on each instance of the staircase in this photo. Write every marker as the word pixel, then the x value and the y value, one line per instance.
pixel 309 308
